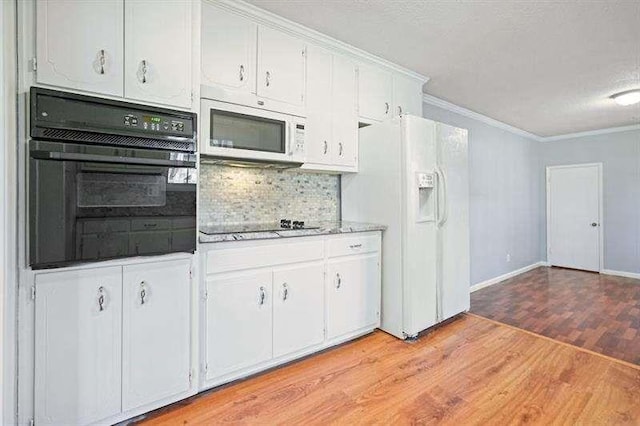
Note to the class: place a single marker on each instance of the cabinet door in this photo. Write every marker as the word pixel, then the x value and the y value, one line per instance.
pixel 79 44
pixel 407 95
pixel 298 308
pixel 239 322
pixel 228 49
pixel 78 318
pixel 158 51
pixel 352 294
pixel 156 332
pixel 375 92
pixel 318 136
pixel 281 66
pixel 344 109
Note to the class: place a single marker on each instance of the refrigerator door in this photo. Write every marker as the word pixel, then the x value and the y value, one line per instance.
pixel 453 221
pixel 419 224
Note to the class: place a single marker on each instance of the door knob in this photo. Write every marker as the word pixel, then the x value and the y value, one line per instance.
pixel 594 224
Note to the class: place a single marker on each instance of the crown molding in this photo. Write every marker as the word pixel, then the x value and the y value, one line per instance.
pixel 441 103
pixel 592 133
pixel 264 17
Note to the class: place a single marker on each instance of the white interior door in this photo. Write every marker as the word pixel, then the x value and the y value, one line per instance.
pixel 573 216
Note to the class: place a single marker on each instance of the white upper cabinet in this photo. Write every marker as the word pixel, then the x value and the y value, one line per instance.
pixel 407 95
pixel 344 109
pixel 298 308
pixel 78 346
pixel 318 134
pixel 375 90
pixel 228 51
pixel 158 51
pixel 332 118
pixel 281 67
pixel 79 45
pixel 155 332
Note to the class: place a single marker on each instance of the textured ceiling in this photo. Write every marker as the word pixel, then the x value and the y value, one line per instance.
pixel 547 67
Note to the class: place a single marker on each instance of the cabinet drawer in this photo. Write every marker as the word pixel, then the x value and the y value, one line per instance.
pixel 353 245
pixel 234 259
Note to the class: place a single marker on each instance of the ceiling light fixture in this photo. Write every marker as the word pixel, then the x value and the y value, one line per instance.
pixel 629 97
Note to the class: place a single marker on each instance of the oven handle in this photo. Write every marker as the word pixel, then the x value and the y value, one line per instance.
pixel 93 158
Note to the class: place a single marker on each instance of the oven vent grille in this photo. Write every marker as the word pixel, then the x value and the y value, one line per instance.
pixel 109 139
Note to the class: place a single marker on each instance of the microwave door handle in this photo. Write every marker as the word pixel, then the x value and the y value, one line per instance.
pixel 94 158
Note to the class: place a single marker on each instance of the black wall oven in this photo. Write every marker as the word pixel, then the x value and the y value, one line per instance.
pixel 108 179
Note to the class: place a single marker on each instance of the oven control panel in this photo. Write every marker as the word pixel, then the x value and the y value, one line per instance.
pixel 52 109
pixel 154 123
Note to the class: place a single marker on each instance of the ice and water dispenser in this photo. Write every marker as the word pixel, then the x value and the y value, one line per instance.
pixel 426 186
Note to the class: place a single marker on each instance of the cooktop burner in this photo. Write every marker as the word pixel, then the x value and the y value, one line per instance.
pixel 284 225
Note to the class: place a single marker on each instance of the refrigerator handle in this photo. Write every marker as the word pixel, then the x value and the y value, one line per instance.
pixel 442 187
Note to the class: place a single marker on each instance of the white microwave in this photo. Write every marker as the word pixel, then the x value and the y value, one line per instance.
pixel 247 134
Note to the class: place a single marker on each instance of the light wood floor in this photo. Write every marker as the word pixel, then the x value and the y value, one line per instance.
pixel 471 371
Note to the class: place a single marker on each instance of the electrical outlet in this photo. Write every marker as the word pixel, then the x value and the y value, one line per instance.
pixel 508 257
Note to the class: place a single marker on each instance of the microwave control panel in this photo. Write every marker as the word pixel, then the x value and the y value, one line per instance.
pixel 299 138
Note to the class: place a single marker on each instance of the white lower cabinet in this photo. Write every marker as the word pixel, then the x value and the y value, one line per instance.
pixel 100 351
pixel 298 308
pixel 263 312
pixel 155 333
pixel 352 293
pixel 238 321
pixel 78 318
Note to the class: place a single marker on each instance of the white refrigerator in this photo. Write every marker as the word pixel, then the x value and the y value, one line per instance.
pixel 413 177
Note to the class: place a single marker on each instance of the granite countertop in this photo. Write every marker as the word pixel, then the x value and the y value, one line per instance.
pixel 254 231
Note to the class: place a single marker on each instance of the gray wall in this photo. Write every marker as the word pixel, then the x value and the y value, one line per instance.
pixel 505 183
pixel 619 154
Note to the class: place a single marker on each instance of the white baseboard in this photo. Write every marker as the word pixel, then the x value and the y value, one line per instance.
pixel 506 276
pixel 621 273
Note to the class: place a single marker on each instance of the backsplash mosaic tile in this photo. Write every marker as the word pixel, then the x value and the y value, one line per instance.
pixel 231 195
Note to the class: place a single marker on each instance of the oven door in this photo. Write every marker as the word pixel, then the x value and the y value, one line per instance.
pixel 90 203
pixel 245 133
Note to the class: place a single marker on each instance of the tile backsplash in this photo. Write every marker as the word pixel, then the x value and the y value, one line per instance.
pixel 231 195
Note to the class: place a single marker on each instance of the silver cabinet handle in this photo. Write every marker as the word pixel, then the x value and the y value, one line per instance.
pixel 338 281
pixel 241 72
pixel 268 79
pixel 263 296
pixel 285 292
pixel 102 60
pixel 340 150
pixel 101 298
pixel 386 107
pixel 326 147
pixel 142 71
pixel 355 246
pixel 143 292
pixel 399 110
